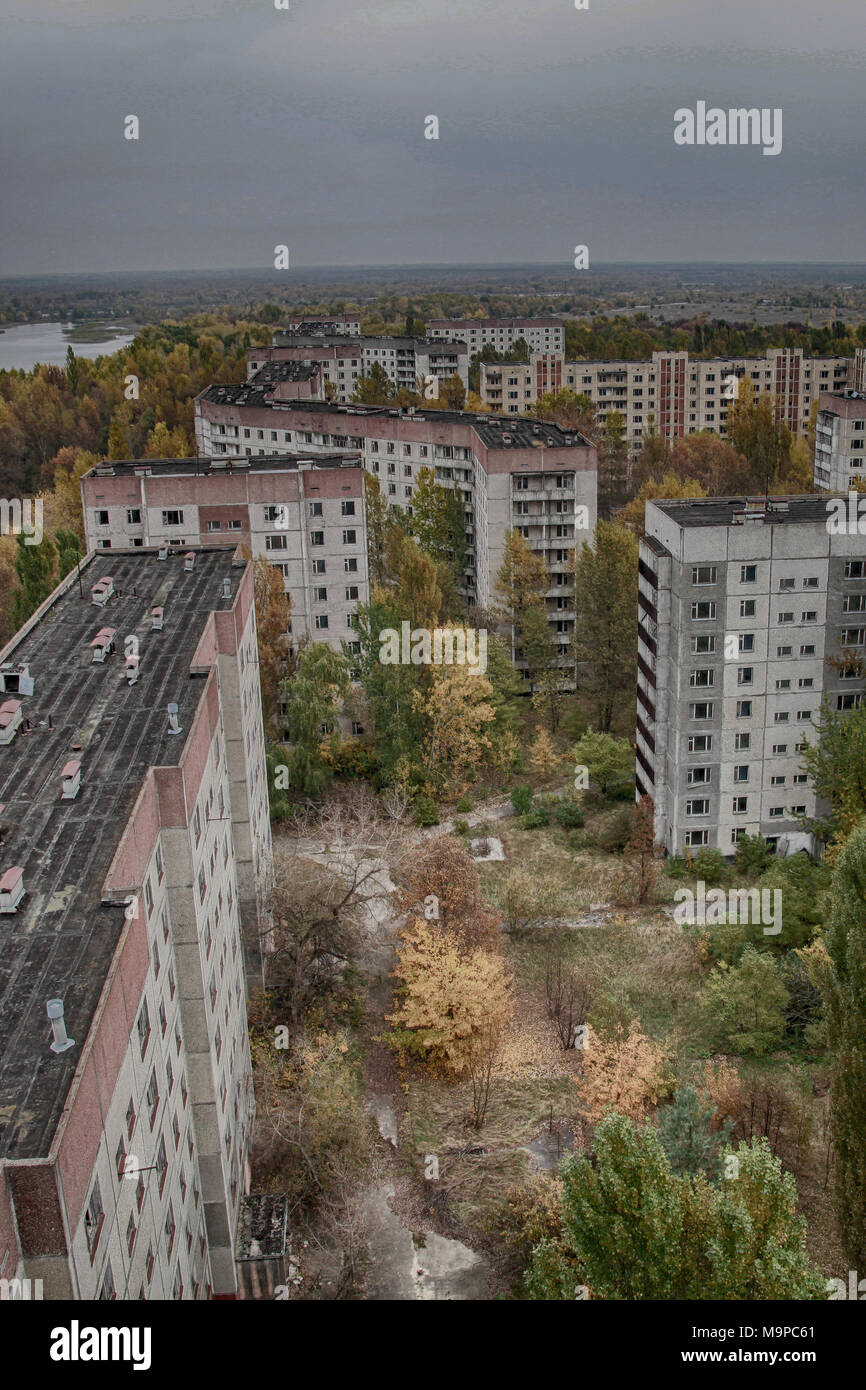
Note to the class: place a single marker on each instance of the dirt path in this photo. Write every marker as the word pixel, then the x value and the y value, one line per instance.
pixel 406 1261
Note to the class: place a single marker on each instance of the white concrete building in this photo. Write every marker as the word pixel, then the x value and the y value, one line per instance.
pixel 542 334
pixel 741 606
pixel 840 440
pixel 683 395
pixel 124 1143
pixel 412 364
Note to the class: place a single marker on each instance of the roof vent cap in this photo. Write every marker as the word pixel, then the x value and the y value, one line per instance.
pixel 62 1041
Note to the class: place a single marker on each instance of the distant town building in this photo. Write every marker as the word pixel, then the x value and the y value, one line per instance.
pixel 346 325
pixel 135 833
pixel 683 395
pixel 541 334
pixel 840 440
pixel 411 364
pixel 743 606
pixel 511 473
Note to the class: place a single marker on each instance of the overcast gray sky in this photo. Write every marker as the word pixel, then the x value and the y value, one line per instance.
pixel 261 127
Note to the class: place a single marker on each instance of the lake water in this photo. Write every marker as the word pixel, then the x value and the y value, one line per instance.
pixel 22 345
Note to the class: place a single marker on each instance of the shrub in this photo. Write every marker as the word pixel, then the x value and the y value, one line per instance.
pixel 464 805
pixel 461 827
pixel 426 810
pixel 521 800
pixel 709 865
pixel 615 836
pixel 569 815
pixel 675 867
pixel 753 855
pixel 536 817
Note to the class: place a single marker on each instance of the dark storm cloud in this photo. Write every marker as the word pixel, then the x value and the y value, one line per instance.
pixel 556 128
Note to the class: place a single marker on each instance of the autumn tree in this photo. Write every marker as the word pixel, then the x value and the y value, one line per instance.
pixel 633 515
pixel 613 463
pixel 447 996
pixel 652 461
pixel 763 441
pixel 836 766
pixel 438 523
pixel 640 850
pixel 543 757
pixel 456 710
pixel 710 461
pixel 541 653
pixel 441 883
pixel 35 567
pixel 521 584
pixel 312 698
pixel 568 409
pixel 609 763
pixel 746 1003
pixel 374 388
pixel 632 1229
pixel 845 941
pixel 273 625
pixel 605 641
pixel 627 1072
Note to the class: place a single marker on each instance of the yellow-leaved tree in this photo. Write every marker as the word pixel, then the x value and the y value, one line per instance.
pixel 453 1006
pixel 627 1073
pixel 457 709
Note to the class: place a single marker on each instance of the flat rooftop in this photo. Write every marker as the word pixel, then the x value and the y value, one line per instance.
pixel 496 431
pixel 324 335
pixel 275 372
pixel 199 467
pixel 721 511
pixel 60 942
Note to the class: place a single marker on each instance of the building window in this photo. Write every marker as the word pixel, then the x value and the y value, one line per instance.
pixel 748 574
pixel 276 543
pixel 700 743
pixel 169 1228
pixel 704 645
pixel 739 805
pixel 704 574
pixel 746 642
pixel 347 507
pixel 93 1218
pixel 745 675
pixel 702 710
pixel 317 538
pixel 703 612
pixel 152 1096
pixel 172 518
pixel 698 807
pixel 350 537
pixel 744 709
pixel 697 776
pixel 143 1028
pixel 321 620
pixel 742 742
pixel 697 837
pixel 106 1288
pixel 741 772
